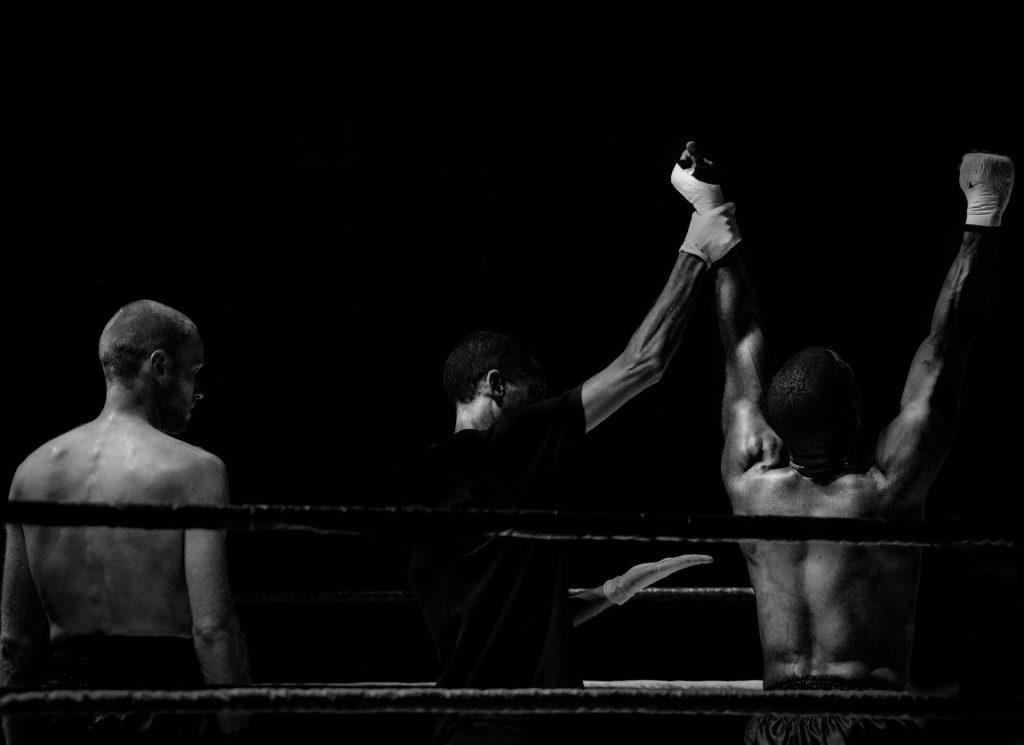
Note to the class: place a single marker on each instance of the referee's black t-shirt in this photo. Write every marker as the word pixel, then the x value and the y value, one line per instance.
pixel 497 608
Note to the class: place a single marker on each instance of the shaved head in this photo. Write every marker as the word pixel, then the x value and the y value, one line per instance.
pixel 813 403
pixel 136 331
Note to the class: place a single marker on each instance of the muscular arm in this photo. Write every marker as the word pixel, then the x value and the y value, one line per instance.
pixel 25 632
pixel 748 438
pixel 618 590
pixel 24 629
pixel 913 446
pixel 216 632
pixel 651 347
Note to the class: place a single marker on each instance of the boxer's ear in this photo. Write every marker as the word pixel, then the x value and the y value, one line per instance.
pixel 495 387
pixel 158 363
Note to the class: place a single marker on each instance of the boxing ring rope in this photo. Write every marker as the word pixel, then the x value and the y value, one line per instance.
pixel 688 685
pixel 712 700
pixel 734 698
pixel 409 522
pixel 359 597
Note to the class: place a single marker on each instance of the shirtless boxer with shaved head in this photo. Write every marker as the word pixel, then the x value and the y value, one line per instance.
pixel 831 615
pixel 99 607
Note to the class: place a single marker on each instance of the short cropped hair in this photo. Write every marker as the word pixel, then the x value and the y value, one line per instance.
pixel 813 401
pixel 480 352
pixel 136 331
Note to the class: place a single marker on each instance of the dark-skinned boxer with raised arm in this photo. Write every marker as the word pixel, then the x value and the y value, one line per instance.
pixel 832 615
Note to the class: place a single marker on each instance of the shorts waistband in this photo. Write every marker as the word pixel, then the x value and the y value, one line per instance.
pixel 832 683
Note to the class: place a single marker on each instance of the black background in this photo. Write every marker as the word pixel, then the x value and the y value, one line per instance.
pixel 335 225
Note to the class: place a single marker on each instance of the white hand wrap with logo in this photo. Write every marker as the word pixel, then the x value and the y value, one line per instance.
pixel 987 181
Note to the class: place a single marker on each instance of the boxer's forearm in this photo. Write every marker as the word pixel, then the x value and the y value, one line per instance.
pixel 739 326
pixel 656 340
pixel 221 652
pixel 24 627
pixel 966 293
pixel 965 298
pixel 220 649
pixel 20 665
pixel 651 347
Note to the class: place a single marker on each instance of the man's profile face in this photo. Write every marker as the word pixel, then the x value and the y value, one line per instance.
pixel 180 390
pixel 529 389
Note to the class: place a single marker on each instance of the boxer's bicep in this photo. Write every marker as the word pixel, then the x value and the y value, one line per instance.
pixel 216 633
pixel 206 572
pixel 21 604
pixel 749 440
pixel 911 450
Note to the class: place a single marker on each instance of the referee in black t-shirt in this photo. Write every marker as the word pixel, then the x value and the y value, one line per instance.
pixel 499 609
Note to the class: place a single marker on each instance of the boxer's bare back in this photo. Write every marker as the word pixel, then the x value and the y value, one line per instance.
pixel 835 610
pixel 117 581
pixel 824 608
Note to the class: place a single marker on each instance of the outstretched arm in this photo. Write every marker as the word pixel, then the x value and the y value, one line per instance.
pixel 651 347
pixel 748 438
pixel 911 449
pixel 711 234
pixel 616 591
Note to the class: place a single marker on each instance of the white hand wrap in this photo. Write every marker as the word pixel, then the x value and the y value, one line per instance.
pixel 713 234
pixel 703 196
pixel 620 589
pixel 986 180
pixel 615 592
